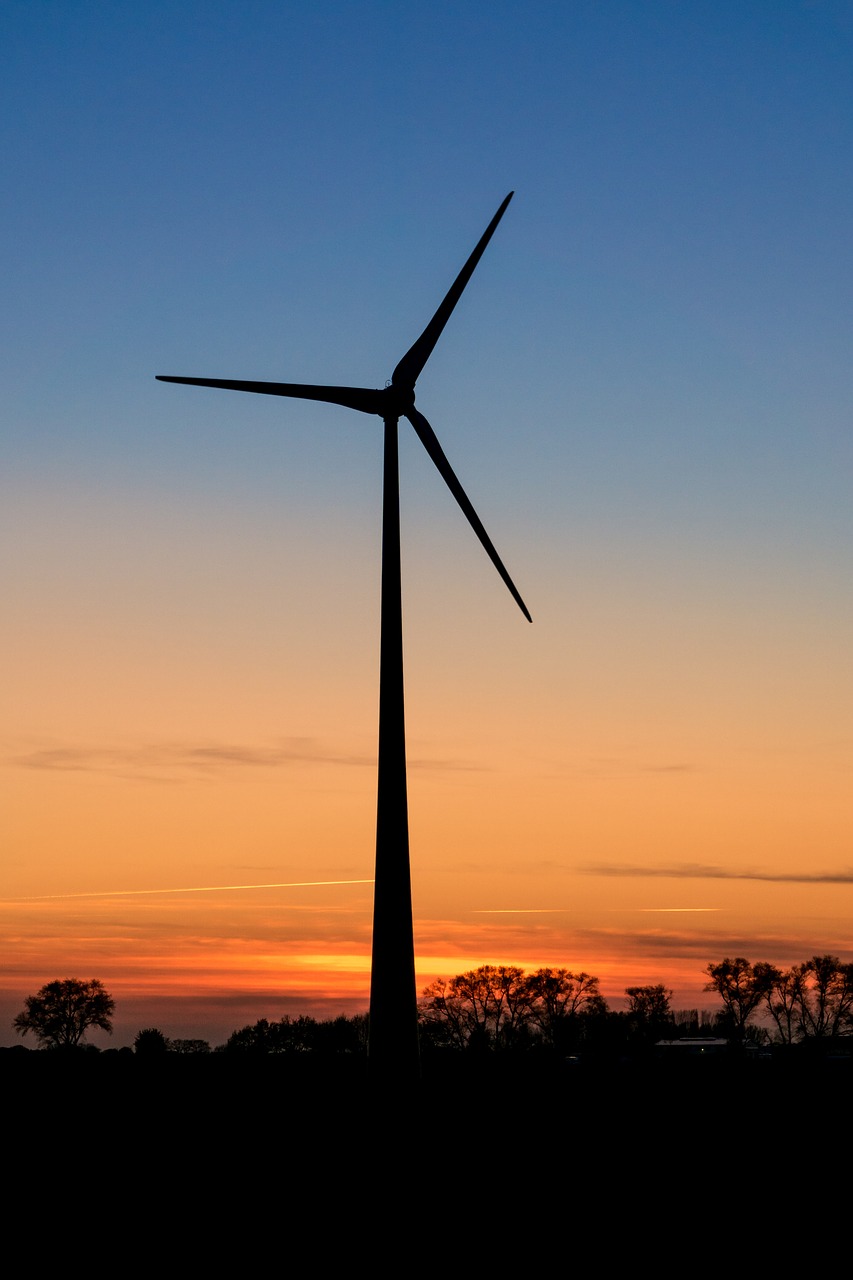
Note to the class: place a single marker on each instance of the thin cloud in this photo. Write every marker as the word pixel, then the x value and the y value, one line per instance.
pixel 706 871
pixel 518 911
pixel 155 758
pixel 666 768
pixel 704 944
pixel 551 911
pixel 174 761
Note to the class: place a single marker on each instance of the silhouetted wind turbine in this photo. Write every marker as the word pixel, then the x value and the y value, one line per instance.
pixel 393 997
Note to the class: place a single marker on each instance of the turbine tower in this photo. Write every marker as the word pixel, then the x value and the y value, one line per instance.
pixel 393 1047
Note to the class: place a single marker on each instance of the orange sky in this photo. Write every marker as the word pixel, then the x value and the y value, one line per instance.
pixel 645 392
pixel 569 828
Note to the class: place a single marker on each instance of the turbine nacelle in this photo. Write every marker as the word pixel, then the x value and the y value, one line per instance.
pixel 398 400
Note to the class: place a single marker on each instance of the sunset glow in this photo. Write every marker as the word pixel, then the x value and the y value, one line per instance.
pixel 646 392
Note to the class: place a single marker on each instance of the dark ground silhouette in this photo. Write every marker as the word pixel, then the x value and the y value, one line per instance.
pixel 191 1160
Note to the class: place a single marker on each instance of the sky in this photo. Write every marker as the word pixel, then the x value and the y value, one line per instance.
pixel 645 391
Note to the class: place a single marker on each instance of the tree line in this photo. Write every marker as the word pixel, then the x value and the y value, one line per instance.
pixel 500 1007
pixel 808 1002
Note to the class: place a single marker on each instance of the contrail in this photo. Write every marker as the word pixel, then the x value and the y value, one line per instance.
pixel 552 911
pixel 518 911
pixel 202 888
pixel 624 911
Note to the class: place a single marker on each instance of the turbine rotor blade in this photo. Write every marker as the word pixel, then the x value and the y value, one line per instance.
pixel 361 398
pixel 411 366
pixel 429 440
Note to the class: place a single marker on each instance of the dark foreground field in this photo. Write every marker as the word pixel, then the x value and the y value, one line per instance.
pixel 234 1123
pixel 209 1164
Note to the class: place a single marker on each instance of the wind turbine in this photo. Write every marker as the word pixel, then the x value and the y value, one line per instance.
pixel 393 1048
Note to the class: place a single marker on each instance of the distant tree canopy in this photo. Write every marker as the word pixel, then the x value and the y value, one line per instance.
pixel 284 1036
pixel 649 1013
pixel 500 1006
pixel 557 998
pixel 808 1002
pixel 62 1011
pixel 649 1004
pixel 151 1041
pixel 741 990
pixel 188 1046
pixel 300 1036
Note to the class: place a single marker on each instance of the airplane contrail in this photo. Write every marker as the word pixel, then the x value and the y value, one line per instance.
pixel 551 911
pixel 518 911
pixel 203 888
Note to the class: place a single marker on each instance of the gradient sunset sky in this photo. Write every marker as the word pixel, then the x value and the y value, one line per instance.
pixel 646 392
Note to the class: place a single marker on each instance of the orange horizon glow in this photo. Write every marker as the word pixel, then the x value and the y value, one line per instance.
pixel 181 962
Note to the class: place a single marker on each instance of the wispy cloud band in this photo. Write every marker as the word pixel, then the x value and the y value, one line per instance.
pixel 709 871
pixel 163 761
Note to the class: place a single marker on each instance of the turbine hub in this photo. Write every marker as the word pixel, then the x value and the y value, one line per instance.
pixel 397 401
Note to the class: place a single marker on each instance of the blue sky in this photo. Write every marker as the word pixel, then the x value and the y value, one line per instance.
pixel 264 191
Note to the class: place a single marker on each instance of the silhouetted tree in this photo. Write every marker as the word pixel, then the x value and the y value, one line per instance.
pixel 499 1007
pixel 483 1008
pixel 557 998
pixel 259 1037
pixel 650 1004
pixel 332 1036
pixel 297 1035
pixel 649 1013
pixel 62 1011
pixel 285 1036
pixel 809 1001
pixel 822 997
pixel 741 987
pixel 443 1015
pixel 360 1030
pixel 150 1041
pixel 781 998
pixel 188 1046
pixel 341 1035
